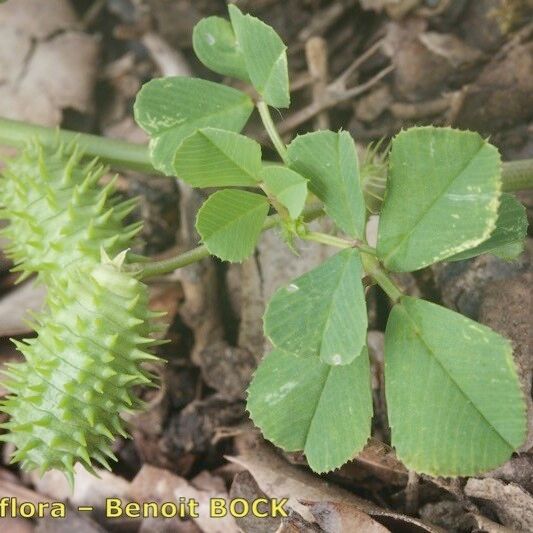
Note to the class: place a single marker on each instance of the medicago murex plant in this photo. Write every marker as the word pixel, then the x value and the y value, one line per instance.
pixel 454 400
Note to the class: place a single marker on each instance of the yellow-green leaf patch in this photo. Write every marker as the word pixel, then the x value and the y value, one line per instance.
pixel 507 240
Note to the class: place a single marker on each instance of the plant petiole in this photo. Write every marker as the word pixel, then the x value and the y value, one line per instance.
pixel 373 268
pixel 337 242
pixel 165 266
pixel 270 127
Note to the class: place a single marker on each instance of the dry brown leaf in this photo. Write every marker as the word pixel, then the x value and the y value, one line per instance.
pixel 482 523
pixel 512 504
pixel 88 489
pixel 21 493
pixel 17 525
pixel 245 486
pixel 419 72
pixel 294 523
pixel 278 479
pixel 340 517
pixel 168 525
pixel 46 63
pixel 72 522
pixel 380 460
pixel 155 483
pixel 16 307
pixel 38 20
pixel 451 48
pixel 518 470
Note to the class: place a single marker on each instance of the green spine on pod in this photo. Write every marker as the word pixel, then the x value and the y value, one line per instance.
pixel 66 399
pixel 58 213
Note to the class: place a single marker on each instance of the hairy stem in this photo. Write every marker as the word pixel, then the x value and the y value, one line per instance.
pixel 517 175
pixel 337 242
pixel 373 268
pixel 116 153
pixel 158 268
pixel 270 127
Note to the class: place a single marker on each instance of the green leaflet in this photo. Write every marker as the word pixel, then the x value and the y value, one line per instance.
pixel 80 371
pixel 329 161
pixel 442 197
pixel 265 57
pixel 171 109
pixel 303 404
pixel 454 401
pixel 507 240
pixel 216 46
pixel 58 214
pixel 322 314
pixel 218 158
pixel 287 186
pixel 230 223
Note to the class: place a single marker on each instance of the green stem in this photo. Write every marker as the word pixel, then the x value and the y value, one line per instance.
pixel 164 266
pixel 373 269
pixel 338 242
pixel 324 238
pixel 517 175
pixel 116 153
pixel 270 127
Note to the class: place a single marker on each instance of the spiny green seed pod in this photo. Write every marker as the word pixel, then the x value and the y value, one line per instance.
pixel 58 213
pixel 67 397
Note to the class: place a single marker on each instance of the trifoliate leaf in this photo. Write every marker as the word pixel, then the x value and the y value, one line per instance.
pixel 442 197
pixel 322 314
pixel 303 404
pixel 454 400
pixel 230 223
pixel 507 240
pixel 329 161
pixel 218 158
pixel 171 109
pixel 216 46
pixel 265 57
pixel 287 186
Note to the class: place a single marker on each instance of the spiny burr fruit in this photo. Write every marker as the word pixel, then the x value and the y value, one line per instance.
pixel 66 399
pixel 58 213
